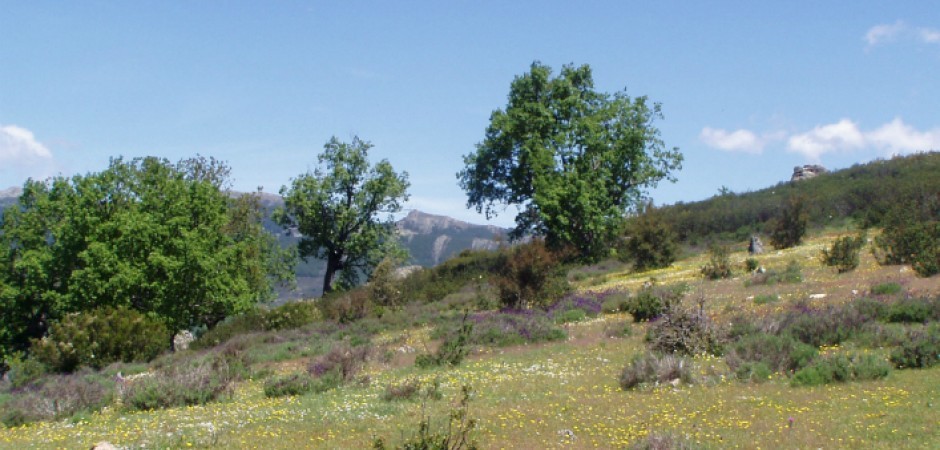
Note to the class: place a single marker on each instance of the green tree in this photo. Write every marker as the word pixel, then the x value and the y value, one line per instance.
pixel 912 235
pixel 649 241
pixel 161 238
pixel 789 228
pixel 572 160
pixel 336 209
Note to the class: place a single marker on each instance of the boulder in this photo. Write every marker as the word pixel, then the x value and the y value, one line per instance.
pixel 756 247
pixel 807 171
pixel 182 340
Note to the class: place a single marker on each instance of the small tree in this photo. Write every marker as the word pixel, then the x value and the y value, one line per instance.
pixel 530 275
pixel 649 241
pixel 719 264
pixel 912 236
pixel 789 229
pixel 336 209
pixel 843 254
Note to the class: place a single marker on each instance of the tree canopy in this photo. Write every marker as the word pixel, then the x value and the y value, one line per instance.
pixel 572 160
pixel 161 238
pixel 337 207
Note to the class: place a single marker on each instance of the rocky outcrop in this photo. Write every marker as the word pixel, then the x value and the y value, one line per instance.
pixel 756 247
pixel 807 171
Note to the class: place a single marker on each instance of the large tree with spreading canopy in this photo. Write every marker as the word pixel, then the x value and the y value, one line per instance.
pixel 573 160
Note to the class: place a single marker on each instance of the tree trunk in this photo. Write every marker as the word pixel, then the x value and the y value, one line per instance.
pixel 334 263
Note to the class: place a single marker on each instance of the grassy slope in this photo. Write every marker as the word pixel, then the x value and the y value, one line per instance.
pixel 526 397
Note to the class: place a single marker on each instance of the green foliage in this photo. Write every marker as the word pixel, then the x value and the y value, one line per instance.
pixel 909 310
pixel 765 299
pixel 337 207
pixel 346 307
pixel 454 436
pixel 649 241
pixel 652 301
pixel 453 349
pixel 571 315
pixel 99 337
pixel 575 159
pixel 920 349
pixel 383 287
pixel 788 229
pixel 291 315
pixel 755 372
pixel 23 371
pixel 617 302
pixel 912 235
pixel 843 254
pixel 298 383
pixel 652 368
pixel 751 264
pixel 719 264
pixel 824 326
pixel 530 275
pixel 889 288
pixel 779 353
pixel 157 237
pixel 840 368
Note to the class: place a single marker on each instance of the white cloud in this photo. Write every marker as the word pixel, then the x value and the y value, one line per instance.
pixel 843 135
pixel 896 137
pixel 883 33
pixel 19 148
pixel 734 141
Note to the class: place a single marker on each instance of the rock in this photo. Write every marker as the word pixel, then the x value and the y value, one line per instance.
pixel 807 171
pixel 756 247
pixel 817 296
pixel 103 445
pixel 182 340
pixel 675 382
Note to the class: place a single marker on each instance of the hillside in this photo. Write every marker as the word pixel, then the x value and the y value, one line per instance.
pixel 556 393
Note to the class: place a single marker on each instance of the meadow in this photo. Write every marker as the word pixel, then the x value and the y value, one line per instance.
pixel 565 393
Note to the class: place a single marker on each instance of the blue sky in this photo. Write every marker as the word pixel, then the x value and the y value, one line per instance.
pixel 749 89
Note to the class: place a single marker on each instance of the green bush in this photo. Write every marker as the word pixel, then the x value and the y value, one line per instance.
pixel 751 264
pixel 788 229
pixel 383 286
pixel 841 368
pixel 652 368
pixel 452 351
pixel 617 302
pixel 298 383
pixel 765 299
pixel 100 337
pixel 293 314
pixel 908 310
pixel 843 254
pixel 824 326
pixel 651 301
pixel 719 264
pixel 346 307
pixel 530 275
pixel 753 371
pixel 23 371
pixel 912 236
pixel 778 353
pixel 889 288
pixel 921 349
pixel 649 241
pixel 247 322
pixel 571 315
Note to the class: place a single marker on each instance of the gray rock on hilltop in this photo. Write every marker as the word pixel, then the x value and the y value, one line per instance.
pixel 807 171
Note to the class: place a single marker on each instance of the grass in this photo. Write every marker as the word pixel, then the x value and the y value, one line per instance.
pixel 561 394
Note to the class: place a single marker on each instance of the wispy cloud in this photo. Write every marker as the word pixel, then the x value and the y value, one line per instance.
pixel 741 140
pixel 884 33
pixel 843 135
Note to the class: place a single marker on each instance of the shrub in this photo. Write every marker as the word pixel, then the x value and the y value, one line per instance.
pixel 912 236
pixel 100 337
pixel 454 436
pixel 650 302
pixel 293 314
pixel 512 327
pixel 571 315
pixel 530 275
pixel 383 286
pixel 651 368
pixel 751 264
pixel 57 397
pixel 247 322
pixel 778 353
pixel 908 310
pixel 682 331
pixel 840 368
pixel 921 349
pixel 346 307
pixel 195 381
pixel 824 326
pixel 843 254
pixel 755 372
pixel 650 242
pixel 719 264
pixel 619 329
pixel 405 390
pixel 453 349
pixel 298 383
pixel 788 229
pixel 343 360
pixel 889 288
pixel 765 299
pixel 616 302
pixel 23 371
pixel 793 273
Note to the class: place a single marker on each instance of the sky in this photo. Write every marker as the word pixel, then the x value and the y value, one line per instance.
pixel 748 89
